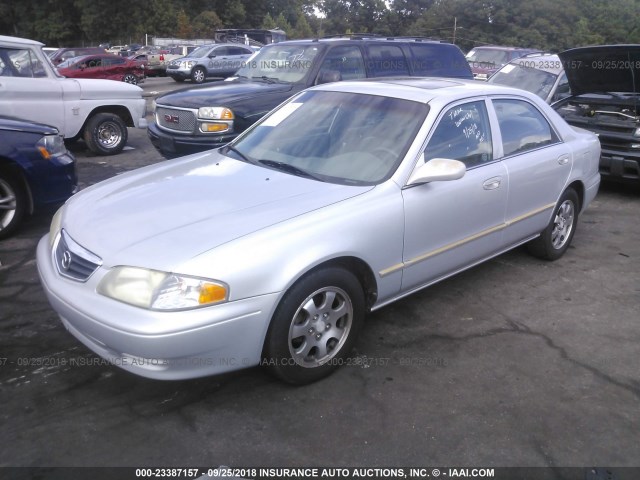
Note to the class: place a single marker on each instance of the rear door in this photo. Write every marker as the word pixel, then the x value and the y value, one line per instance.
pixel 538 162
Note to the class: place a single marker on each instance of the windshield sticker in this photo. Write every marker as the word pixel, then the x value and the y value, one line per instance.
pixel 277 118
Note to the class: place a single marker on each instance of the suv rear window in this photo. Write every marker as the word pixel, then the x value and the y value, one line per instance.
pixel 437 60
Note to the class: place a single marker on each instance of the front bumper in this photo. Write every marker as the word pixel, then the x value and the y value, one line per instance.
pixel 159 345
pixel 174 145
pixel 178 73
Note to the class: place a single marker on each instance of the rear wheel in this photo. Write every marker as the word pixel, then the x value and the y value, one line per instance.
pixel 12 204
pixel 105 134
pixel 556 238
pixel 198 75
pixel 130 78
pixel 315 326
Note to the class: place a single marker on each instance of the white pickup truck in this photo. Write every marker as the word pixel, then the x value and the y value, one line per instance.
pixel 99 111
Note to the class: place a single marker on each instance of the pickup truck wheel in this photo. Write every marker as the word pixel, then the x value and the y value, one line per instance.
pixel 315 325
pixel 105 134
pixel 198 75
pixel 12 204
pixel 130 78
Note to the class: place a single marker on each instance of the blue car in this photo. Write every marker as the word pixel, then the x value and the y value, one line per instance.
pixel 36 171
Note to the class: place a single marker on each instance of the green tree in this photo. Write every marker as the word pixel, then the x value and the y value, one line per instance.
pixel 268 22
pixel 183 28
pixel 206 23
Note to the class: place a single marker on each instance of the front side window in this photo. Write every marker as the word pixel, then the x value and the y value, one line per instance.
pixel 17 62
pixel 347 60
pixel 463 133
pixel 336 137
pixel 523 127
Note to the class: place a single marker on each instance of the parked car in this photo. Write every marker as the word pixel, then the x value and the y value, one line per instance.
pixel 106 66
pixel 349 196
pixel 99 111
pixel 217 60
pixel 36 171
pixel 197 119
pixel 487 60
pixel 541 74
pixel 63 54
pixel 605 86
pixel 153 61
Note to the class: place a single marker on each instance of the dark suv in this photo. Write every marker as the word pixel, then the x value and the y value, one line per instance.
pixel 205 117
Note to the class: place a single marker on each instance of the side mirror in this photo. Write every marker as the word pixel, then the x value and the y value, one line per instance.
pixel 328 76
pixel 437 170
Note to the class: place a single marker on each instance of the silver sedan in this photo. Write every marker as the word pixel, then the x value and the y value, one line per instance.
pixel 349 196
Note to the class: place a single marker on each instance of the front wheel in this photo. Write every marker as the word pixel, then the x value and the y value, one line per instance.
pixel 315 326
pixel 556 238
pixel 12 204
pixel 198 75
pixel 105 134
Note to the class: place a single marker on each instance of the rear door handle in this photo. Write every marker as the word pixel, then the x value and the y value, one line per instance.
pixel 492 183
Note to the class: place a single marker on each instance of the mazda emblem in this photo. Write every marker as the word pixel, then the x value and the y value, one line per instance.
pixel 66 260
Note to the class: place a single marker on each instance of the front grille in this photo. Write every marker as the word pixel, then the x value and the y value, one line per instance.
pixel 174 119
pixel 74 261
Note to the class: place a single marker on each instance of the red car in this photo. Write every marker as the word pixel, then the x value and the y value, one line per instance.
pixel 111 67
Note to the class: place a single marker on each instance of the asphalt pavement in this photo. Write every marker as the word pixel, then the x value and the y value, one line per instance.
pixel 516 362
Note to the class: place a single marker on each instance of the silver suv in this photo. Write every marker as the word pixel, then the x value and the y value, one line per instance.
pixel 216 60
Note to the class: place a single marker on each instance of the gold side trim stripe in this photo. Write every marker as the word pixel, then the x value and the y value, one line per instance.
pixel 488 231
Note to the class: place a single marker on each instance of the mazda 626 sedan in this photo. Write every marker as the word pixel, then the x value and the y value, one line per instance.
pixel 347 197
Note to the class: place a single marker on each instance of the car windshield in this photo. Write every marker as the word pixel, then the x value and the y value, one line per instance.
pixel 527 78
pixel 199 52
pixel 280 63
pixel 337 137
pixel 488 56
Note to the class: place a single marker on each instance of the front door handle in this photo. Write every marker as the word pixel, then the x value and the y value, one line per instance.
pixel 492 183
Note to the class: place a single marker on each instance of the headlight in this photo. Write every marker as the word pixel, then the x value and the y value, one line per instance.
pixel 215 113
pixel 156 290
pixel 56 224
pixel 52 146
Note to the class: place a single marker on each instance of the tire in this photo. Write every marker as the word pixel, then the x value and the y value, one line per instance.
pixel 130 78
pixel 315 326
pixel 198 75
pixel 105 134
pixel 554 240
pixel 12 204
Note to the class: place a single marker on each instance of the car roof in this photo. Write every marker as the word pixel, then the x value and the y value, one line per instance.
pixel 360 38
pixel 500 47
pixel 18 40
pixel 422 89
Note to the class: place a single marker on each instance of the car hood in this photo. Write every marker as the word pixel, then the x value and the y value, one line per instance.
pixel 221 93
pixel 163 215
pixel 600 69
pixel 18 125
pixel 94 89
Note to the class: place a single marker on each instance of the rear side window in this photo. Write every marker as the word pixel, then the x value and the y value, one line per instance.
pixel 387 61
pixel 438 60
pixel 523 127
pixel 347 60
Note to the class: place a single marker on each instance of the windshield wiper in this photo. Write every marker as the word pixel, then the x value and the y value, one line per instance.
pixel 266 79
pixel 242 156
pixel 285 167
